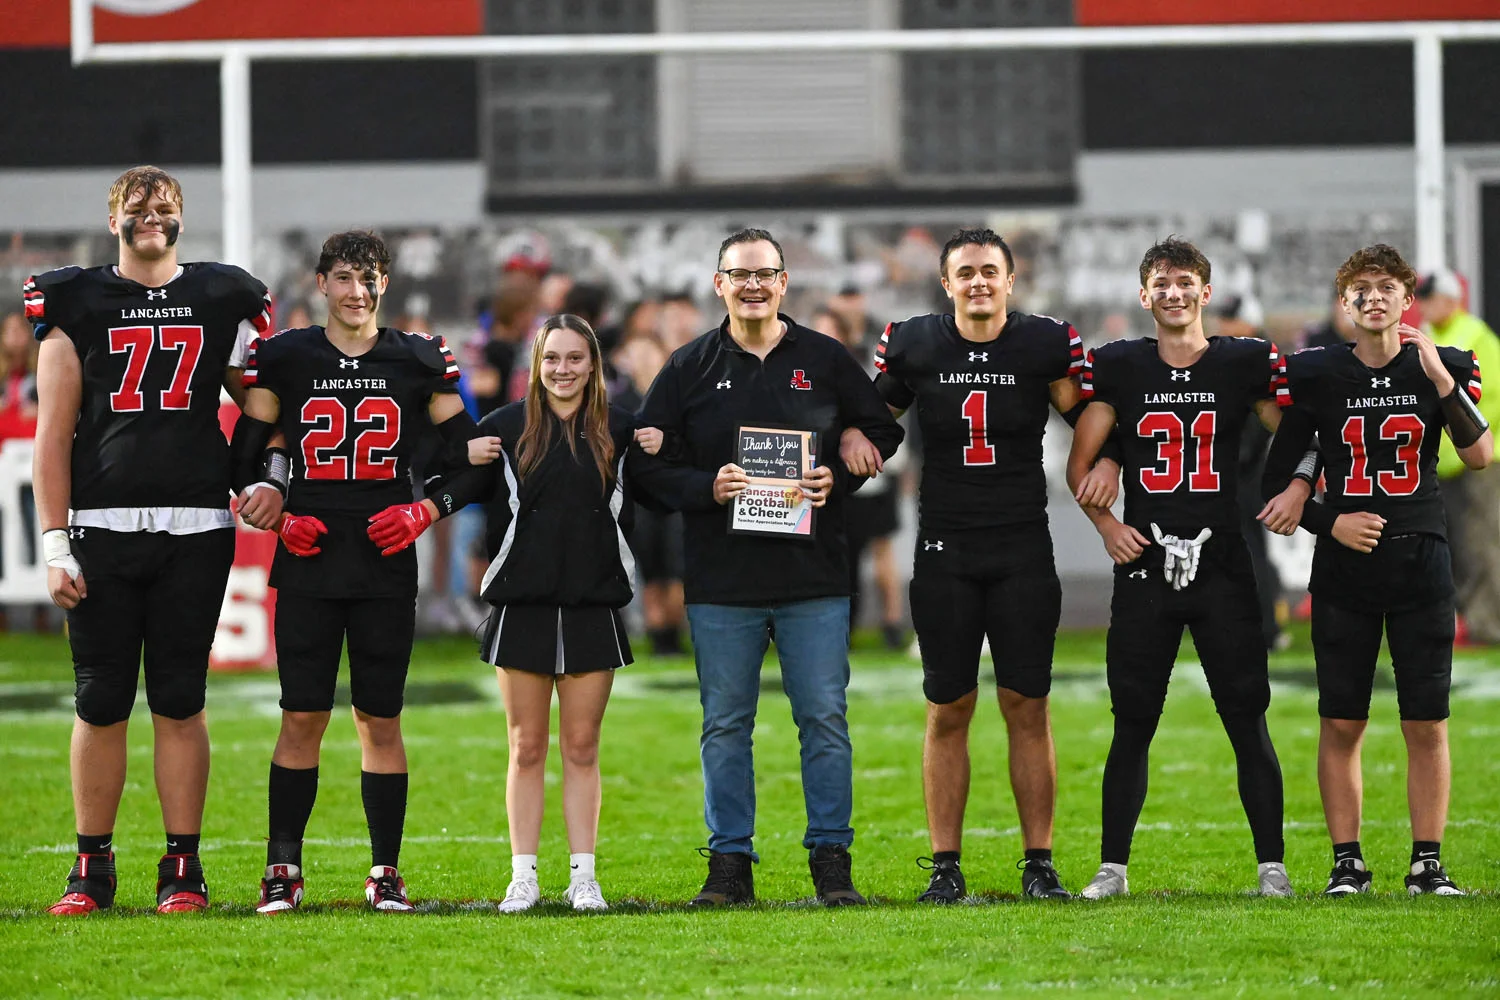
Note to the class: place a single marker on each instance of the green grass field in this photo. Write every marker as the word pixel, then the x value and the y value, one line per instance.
pixel 1190 927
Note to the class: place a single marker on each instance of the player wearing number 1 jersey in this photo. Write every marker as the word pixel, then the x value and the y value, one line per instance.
pixel 132 485
pixel 1180 401
pixel 982 381
pixel 351 399
pixel 1378 407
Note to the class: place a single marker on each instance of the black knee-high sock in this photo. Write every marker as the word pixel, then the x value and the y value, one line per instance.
pixel 292 794
pixel 1125 775
pixel 385 813
pixel 1260 783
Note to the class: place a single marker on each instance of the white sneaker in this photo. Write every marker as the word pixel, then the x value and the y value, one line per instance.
pixel 1273 880
pixel 521 895
pixel 1107 883
pixel 584 895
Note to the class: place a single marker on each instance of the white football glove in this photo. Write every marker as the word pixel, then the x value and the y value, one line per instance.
pixel 57 552
pixel 1181 563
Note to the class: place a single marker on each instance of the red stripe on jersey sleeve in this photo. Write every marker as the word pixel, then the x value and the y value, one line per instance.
pixel 1475 385
pixel 252 373
pixel 1086 377
pixel 1281 389
pixel 34 309
pixel 1075 351
pixel 880 348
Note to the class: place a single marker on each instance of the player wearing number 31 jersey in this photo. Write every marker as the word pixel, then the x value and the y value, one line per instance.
pixel 1378 407
pixel 351 399
pixel 1180 401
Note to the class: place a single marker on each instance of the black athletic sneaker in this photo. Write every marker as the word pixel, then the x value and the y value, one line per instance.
pixel 1039 880
pixel 730 879
pixel 946 884
pixel 1347 878
pixel 830 867
pixel 180 887
pixel 1427 877
pixel 91 886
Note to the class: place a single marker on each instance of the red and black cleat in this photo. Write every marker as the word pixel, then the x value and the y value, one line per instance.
pixel 281 890
pixel 180 887
pixel 91 886
pixel 385 890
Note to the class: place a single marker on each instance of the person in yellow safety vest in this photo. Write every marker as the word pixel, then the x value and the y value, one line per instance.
pixel 1472 498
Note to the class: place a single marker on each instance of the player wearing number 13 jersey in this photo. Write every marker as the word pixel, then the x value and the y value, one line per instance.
pixel 1378 407
pixel 132 489
pixel 1180 401
pixel 351 399
pixel 982 381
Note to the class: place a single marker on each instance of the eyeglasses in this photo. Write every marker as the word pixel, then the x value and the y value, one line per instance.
pixel 739 277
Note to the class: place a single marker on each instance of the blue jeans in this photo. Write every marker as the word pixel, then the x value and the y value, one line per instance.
pixel 812 643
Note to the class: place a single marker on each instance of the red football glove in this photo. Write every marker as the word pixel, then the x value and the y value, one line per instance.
pixel 299 533
pixel 396 527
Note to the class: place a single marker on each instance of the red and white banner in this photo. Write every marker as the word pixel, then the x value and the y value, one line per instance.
pixel 1128 12
pixel 44 23
pixel 245 638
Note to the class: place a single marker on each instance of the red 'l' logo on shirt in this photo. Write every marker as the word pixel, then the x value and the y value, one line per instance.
pixel 799 380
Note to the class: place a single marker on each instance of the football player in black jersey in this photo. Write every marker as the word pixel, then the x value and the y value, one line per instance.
pixel 132 481
pixel 982 381
pixel 1378 406
pixel 351 399
pixel 1179 402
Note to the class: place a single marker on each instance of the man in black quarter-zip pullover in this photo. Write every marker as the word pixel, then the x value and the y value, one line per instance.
pixel 760 368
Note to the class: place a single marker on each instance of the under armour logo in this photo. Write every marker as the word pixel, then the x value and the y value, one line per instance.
pixel 159 293
pixel 75 533
pixel 1185 376
pixel 722 385
pixel 1139 574
pixel 936 546
pixel 979 355
pixel 799 380
pixel 348 362
pixel 1376 383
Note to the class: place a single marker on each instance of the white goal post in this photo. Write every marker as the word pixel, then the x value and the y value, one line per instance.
pixel 234 58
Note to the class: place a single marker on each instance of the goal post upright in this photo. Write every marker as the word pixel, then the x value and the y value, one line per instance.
pixel 235 57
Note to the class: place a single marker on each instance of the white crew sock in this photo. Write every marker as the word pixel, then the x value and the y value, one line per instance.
pixel 1110 866
pixel 1270 866
pixel 582 867
pixel 523 866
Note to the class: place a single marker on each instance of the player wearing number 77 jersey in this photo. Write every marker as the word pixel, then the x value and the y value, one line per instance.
pixel 351 399
pixel 1180 401
pixel 132 485
pixel 983 380
pixel 1379 406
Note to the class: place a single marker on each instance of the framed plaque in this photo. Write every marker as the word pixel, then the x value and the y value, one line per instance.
pixel 775 459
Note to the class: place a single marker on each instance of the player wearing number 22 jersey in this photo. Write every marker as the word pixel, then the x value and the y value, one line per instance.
pixel 1179 401
pixel 1379 406
pixel 351 400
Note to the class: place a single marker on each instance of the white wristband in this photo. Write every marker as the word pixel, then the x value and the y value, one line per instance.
pixel 58 553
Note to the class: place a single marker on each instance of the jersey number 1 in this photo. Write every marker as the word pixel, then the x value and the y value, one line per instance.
pixel 978 451
pixel 135 342
pixel 1166 428
pixel 328 420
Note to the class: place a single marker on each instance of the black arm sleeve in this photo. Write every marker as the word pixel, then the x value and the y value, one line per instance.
pixel 457 431
pixel 247 448
pixel 472 484
pixel 1293 436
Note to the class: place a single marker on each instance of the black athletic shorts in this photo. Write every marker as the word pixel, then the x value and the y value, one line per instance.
pixel 872 516
pixel 1403 573
pixel 153 592
pixel 349 565
pixel 1220 608
pixel 546 639
pixel 310 636
pixel 656 542
pixel 995 582
pixel 1346 644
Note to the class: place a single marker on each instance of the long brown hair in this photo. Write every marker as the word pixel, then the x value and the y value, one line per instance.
pixel 536 436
